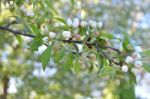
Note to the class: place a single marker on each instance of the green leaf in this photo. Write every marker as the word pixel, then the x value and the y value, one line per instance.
pixel 68 62
pixel 146 52
pixel 106 35
pixel 45 57
pixel 61 20
pixel 36 42
pixel 146 67
pixel 34 29
pixel 72 2
pixel 60 55
pixel 18 37
pixel 126 41
pixel 76 66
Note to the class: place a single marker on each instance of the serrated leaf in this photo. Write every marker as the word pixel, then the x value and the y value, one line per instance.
pixel 45 57
pixel 146 67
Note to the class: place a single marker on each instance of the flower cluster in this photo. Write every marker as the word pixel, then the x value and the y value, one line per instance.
pixel 77 23
pixel 133 59
pixel 74 32
pixel 28 12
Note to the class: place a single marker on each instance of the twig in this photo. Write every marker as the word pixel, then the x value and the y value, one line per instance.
pixel 16 32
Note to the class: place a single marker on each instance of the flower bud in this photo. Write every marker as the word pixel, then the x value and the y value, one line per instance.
pixel 84 24
pixel 66 34
pixel 57 24
pixel 29 13
pixel 136 55
pixel 45 39
pixel 52 34
pixel 99 24
pixel 77 37
pixel 69 22
pixel 124 68
pixel 44 29
pixel 75 22
pixel 129 59
pixel 138 64
pixel 92 24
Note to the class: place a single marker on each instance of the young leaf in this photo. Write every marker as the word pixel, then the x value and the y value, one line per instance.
pixel 146 52
pixel 61 20
pixel 76 66
pixel 18 37
pixel 45 57
pixel 68 62
pixel 36 42
pixel 146 67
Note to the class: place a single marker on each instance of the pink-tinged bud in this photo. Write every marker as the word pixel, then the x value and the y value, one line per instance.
pixel 77 36
pixel 96 33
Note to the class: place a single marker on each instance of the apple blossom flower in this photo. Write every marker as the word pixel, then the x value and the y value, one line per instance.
pixel 136 55
pixel 129 59
pixel 45 39
pixel 66 34
pixel 138 63
pixel 69 22
pixel 52 34
pixel 124 68
pixel 92 24
pixel 99 24
pixel 75 23
pixel 83 23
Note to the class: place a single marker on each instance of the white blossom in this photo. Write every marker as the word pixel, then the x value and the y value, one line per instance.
pixel 136 55
pixel 138 63
pixel 45 39
pixel 138 49
pixel 80 47
pixel 30 13
pixel 52 34
pixel 69 22
pixel 124 68
pixel 92 24
pixel 129 59
pixel 57 24
pixel 99 24
pixel 66 34
pixel 75 22
pixel 22 8
pixel 84 23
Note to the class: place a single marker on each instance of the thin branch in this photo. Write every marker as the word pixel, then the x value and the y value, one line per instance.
pixel 11 23
pixel 16 32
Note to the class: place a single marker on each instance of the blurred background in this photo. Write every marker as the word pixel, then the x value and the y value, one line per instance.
pixel 22 76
